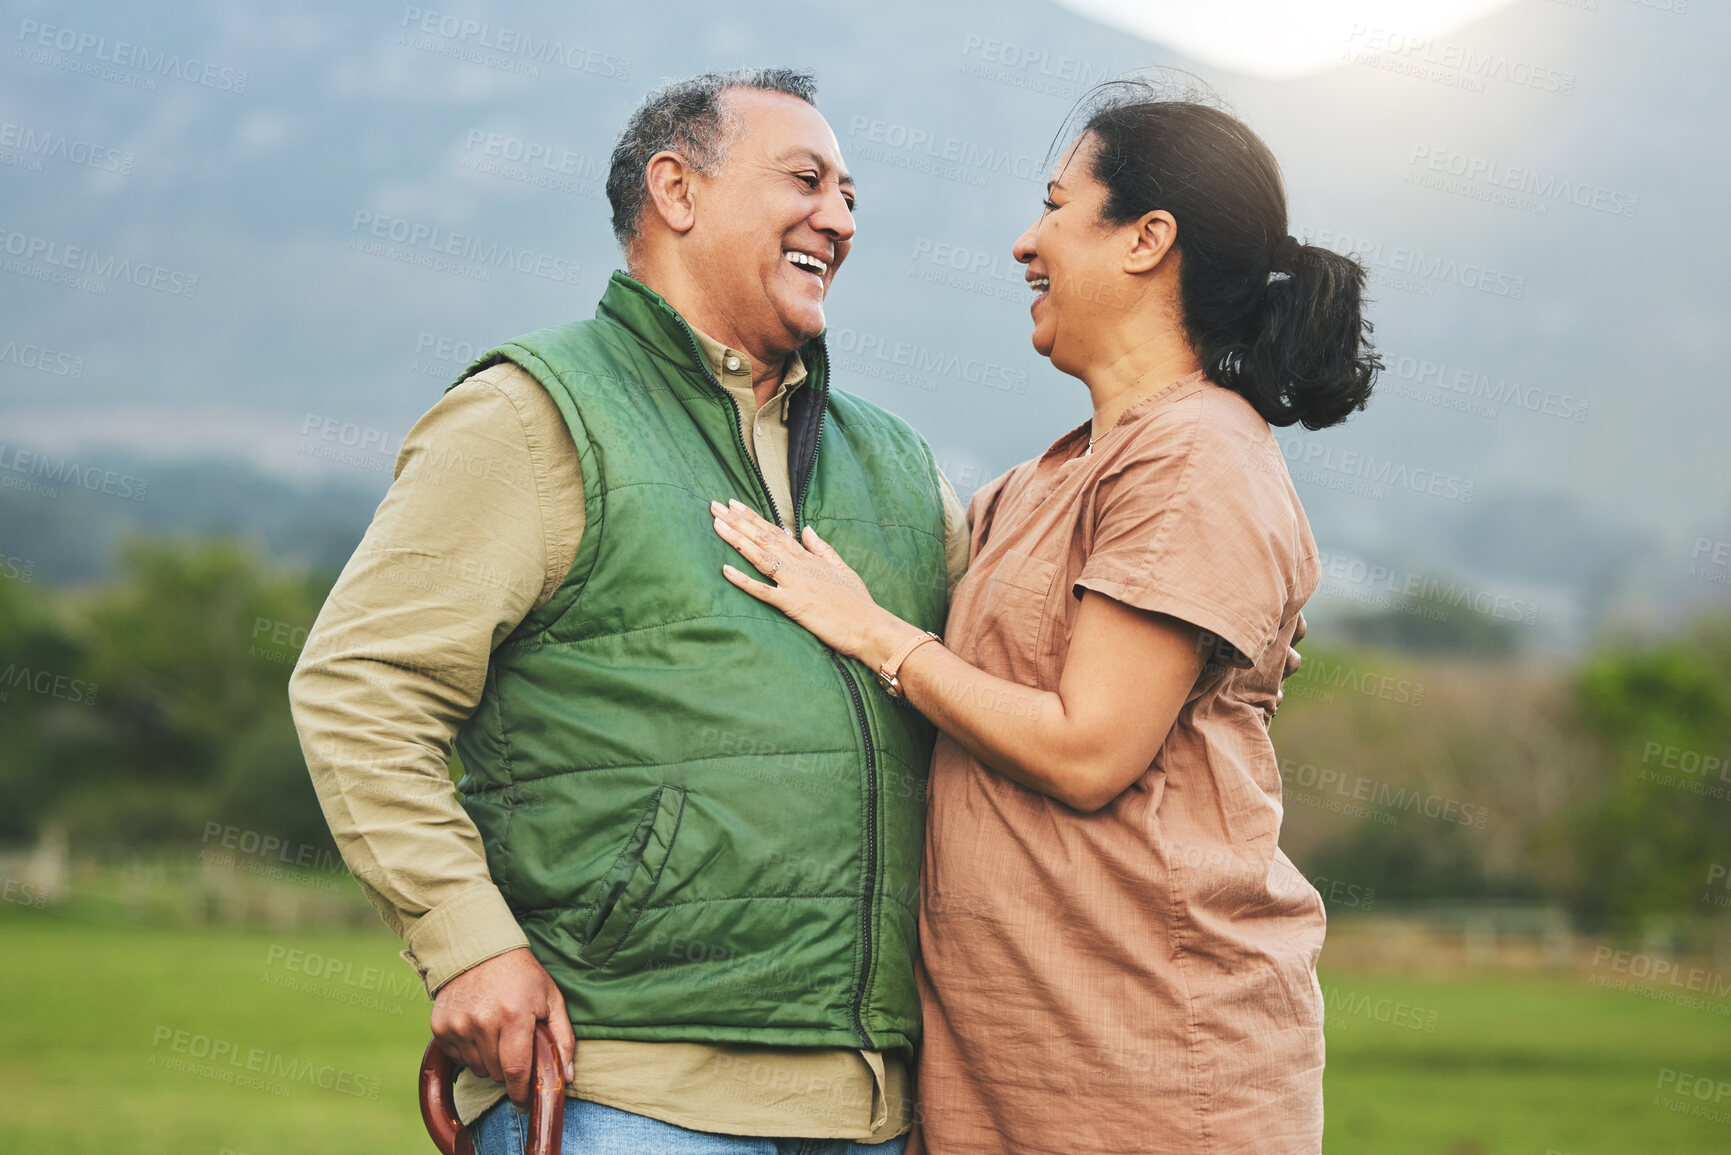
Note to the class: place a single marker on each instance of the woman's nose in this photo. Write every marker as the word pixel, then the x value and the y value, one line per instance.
pixel 1023 249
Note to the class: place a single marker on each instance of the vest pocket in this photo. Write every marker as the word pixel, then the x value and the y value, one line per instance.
pixel 633 876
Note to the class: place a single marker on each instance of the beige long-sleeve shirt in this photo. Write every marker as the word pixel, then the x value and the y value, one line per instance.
pixel 480 527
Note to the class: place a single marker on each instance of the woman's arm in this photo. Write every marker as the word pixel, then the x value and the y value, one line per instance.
pixel 1126 676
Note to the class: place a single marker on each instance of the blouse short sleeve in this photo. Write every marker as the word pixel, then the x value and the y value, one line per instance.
pixel 1198 520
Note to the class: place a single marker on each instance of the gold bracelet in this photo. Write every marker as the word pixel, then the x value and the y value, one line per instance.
pixel 889 672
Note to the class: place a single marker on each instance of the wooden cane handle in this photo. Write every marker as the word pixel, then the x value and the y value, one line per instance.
pixel 547 1095
pixel 546 1099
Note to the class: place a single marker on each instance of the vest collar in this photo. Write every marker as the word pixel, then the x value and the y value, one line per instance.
pixel 646 315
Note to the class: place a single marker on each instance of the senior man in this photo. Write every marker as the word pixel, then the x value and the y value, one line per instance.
pixel 689 833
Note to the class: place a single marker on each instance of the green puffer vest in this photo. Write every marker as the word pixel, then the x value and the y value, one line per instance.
pixel 707 822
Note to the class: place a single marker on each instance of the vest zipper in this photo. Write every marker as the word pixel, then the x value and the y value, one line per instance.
pixel 869 898
pixel 738 437
pixel 821 367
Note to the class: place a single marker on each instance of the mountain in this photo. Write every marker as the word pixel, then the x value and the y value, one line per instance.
pixel 272 234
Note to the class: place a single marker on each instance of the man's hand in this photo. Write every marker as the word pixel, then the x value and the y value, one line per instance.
pixel 485 1019
pixel 1294 659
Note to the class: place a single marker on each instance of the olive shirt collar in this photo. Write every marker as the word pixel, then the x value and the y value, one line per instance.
pixel 646 313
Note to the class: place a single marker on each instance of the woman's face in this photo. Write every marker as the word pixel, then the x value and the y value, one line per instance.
pixel 1075 263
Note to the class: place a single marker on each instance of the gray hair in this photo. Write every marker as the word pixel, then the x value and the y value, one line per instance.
pixel 690 118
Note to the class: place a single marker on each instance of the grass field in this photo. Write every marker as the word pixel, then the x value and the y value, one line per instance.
pixel 121 1040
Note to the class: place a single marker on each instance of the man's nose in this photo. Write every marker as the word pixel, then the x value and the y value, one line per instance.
pixel 833 218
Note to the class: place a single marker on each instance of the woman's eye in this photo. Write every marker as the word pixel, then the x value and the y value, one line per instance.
pixel 1050 206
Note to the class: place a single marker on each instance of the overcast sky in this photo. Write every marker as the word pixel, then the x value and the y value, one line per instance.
pixel 192 191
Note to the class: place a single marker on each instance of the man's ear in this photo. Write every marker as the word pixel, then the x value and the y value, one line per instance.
pixel 1156 233
pixel 670 190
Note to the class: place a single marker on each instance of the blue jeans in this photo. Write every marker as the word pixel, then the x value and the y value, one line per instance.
pixel 591 1129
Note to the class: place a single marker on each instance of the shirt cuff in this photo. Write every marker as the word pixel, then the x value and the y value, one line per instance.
pixel 1228 637
pixel 460 933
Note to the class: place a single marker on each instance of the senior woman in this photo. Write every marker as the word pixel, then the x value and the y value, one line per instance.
pixel 1116 955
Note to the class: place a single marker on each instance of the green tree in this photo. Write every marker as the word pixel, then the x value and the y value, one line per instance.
pixel 45 704
pixel 191 645
pixel 1436 622
pixel 1643 844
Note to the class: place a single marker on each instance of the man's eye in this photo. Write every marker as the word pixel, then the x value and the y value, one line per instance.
pixel 811 179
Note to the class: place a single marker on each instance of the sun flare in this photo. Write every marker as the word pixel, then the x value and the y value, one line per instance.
pixel 1278 39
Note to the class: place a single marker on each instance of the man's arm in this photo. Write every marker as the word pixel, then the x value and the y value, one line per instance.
pixel 455 557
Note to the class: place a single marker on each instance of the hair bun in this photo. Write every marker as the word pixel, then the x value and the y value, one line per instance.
pixel 1284 255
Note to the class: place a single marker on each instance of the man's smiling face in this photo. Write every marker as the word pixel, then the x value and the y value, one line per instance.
pixel 774 222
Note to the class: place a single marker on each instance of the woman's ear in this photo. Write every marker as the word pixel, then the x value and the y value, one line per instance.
pixel 670 191
pixel 1156 233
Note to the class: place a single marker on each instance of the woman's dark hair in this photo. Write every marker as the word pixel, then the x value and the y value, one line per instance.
pixel 1278 322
